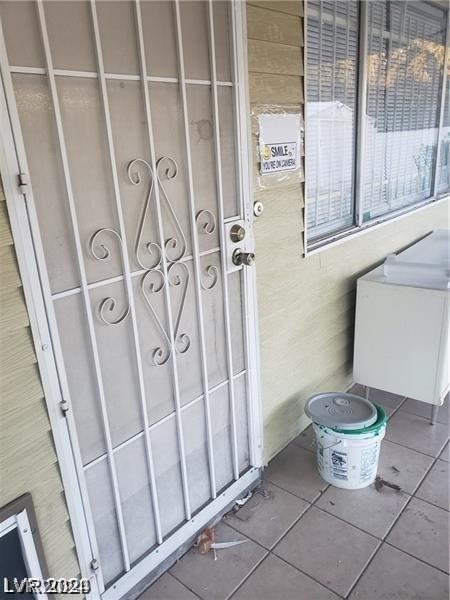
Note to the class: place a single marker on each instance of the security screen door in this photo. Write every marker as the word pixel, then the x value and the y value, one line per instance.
pixel 129 115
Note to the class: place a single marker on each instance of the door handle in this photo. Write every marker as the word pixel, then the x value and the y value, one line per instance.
pixel 240 258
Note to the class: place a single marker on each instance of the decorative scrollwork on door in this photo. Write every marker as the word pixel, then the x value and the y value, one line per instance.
pixel 100 251
pixel 152 255
pixel 153 282
pixel 149 253
pixel 206 224
pixel 175 246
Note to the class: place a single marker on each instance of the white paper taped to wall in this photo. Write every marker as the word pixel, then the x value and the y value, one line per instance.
pixel 279 142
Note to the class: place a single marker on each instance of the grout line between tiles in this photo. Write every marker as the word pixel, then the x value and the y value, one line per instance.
pixel 430 503
pixel 244 579
pixel 183 584
pixel 384 539
pixel 281 536
pixel 414 449
pixel 412 556
pixel 308 575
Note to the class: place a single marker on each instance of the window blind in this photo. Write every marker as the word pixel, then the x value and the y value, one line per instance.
pixel 405 60
pixel 332 50
pixel 444 162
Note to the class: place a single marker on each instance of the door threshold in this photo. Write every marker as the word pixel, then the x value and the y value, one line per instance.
pixel 142 575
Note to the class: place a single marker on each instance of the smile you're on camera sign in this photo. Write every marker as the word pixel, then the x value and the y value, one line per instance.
pixel 279 142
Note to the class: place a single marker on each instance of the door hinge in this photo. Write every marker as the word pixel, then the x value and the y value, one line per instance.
pixel 24 181
pixel 94 564
pixel 64 405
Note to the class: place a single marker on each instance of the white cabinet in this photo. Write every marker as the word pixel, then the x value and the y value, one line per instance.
pixel 402 322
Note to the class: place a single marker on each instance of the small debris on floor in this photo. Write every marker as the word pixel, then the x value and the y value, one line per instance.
pixel 241 501
pixel 396 471
pixel 332 503
pixel 380 483
pixel 206 542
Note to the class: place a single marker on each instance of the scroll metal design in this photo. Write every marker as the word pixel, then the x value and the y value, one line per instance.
pixel 151 255
pixel 206 224
pixel 100 251
pixel 175 247
pixel 153 281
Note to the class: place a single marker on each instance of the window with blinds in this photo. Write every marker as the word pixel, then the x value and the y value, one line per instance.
pixel 332 50
pixel 444 145
pixel 385 58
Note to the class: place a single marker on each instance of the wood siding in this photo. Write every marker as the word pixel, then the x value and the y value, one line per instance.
pixel 27 455
pixel 306 305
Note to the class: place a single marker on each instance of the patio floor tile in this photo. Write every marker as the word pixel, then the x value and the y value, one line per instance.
pixel 306 439
pixel 434 488
pixel 331 551
pixel 423 409
pixel 371 510
pixel 394 574
pixel 416 433
pixel 267 516
pixel 217 579
pixel 402 466
pixel 276 580
pixel 422 530
pixel 389 401
pixel 167 588
pixel 295 470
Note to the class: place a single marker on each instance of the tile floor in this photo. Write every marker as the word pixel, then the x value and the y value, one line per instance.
pixel 306 540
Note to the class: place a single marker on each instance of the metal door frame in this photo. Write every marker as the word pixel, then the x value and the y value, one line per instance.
pixel 30 256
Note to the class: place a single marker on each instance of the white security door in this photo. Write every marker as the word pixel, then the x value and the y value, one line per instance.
pixel 128 121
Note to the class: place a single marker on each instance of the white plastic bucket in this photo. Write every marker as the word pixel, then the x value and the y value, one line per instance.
pixel 350 459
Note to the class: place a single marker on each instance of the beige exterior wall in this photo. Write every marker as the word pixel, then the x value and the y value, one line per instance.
pixel 306 305
pixel 27 455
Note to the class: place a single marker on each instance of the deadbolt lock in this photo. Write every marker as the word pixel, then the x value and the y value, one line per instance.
pixel 243 258
pixel 237 233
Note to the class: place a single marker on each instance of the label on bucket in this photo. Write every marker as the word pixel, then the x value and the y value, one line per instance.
pixel 339 461
pixel 369 458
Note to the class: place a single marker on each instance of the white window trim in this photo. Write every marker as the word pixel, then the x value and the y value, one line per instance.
pixel 359 227
pixel 21 523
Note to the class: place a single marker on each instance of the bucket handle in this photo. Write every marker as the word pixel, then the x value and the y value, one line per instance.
pixel 332 445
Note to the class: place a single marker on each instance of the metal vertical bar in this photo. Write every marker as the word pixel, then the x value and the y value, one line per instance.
pixel 386 159
pixel 362 110
pixel 437 167
pixel 424 116
pixel 126 263
pixel 305 127
pixel 402 116
pixel 333 122
pixel 237 11
pixel 319 96
pixel 240 119
pixel 143 64
pixel 83 278
pixel 343 169
pixel 407 86
pixel 216 119
pixel 410 124
pixel 194 234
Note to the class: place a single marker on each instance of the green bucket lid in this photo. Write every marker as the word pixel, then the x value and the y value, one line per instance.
pixel 379 423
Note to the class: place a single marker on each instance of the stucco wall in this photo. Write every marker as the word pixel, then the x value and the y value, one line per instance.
pixel 306 305
pixel 27 456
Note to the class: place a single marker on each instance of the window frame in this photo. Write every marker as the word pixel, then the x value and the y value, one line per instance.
pixel 359 226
